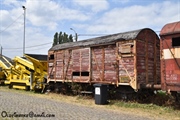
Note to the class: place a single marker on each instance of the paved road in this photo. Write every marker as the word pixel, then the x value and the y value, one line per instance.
pixel 14 104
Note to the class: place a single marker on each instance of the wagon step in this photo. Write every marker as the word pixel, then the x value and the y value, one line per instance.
pixel 86 92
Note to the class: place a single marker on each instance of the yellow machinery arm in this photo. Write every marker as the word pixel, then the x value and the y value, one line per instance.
pixel 24 62
pixel 19 75
pixel 5 64
pixel 40 70
pixel 27 72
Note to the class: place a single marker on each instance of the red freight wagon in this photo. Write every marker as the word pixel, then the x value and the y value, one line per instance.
pixel 170 57
pixel 127 59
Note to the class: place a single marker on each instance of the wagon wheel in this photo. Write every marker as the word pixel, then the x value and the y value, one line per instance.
pixel 176 96
pixel 57 89
pixel 10 86
pixel 27 88
pixel 63 89
pixel 145 96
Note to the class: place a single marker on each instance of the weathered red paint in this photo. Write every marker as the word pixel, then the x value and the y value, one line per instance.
pixel 130 58
pixel 170 29
pixel 170 60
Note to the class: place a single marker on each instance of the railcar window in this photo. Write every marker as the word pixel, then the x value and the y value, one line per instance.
pixel 84 73
pixel 76 73
pixel 51 57
pixel 126 50
pixel 176 42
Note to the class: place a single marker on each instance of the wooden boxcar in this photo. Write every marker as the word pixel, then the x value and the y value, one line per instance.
pixel 128 59
pixel 170 57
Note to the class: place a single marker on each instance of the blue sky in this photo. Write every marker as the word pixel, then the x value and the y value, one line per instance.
pixel 86 17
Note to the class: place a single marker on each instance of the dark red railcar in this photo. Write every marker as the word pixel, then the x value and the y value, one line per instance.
pixel 127 59
pixel 170 57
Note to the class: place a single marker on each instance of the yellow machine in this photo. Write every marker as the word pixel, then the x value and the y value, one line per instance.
pixel 5 64
pixel 27 73
pixel 40 71
pixel 19 74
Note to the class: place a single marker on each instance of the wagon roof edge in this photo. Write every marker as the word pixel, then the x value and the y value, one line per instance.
pixel 130 35
pixel 170 28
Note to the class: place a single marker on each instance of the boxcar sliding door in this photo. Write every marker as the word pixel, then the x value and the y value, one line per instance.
pixel 127 63
pixel 104 64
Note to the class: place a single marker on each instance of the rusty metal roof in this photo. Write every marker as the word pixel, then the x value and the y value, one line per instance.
pixel 170 28
pixel 104 40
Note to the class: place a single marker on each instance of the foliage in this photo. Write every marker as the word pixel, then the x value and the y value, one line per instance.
pixel 62 38
pixel 55 41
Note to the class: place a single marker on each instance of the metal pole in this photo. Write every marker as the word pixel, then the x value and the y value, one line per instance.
pixel 1 50
pixel 31 80
pixel 76 36
pixel 24 8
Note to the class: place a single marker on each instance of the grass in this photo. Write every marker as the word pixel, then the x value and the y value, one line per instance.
pixel 149 110
pixel 138 105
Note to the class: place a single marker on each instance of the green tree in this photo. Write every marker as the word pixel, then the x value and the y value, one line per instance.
pixel 62 38
pixel 65 39
pixel 55 40
pixel 70 38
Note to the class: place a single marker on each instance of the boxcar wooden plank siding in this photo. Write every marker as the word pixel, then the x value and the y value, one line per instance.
pixel 110 62
pixel 129 58
pixel 97 63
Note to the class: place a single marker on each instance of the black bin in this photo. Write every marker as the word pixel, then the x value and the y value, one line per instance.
pixel 101 94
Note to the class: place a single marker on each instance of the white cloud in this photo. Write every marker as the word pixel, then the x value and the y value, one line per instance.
pixel 121 1
pixel 12 3
pixel 34 37
pixel 48 13
pixel 94 5
pixel 46 17
pixel 43 16
pixel 136 17
pixel 4 17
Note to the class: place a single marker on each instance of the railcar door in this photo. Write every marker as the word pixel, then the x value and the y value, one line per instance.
pixel 127 65
pixel 81 65
pixel 104 64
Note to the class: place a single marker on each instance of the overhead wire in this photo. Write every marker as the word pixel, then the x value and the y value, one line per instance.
pixel 13 49
pixel 30 46
pixel 7 49
pixel 10 49
pixel 11 24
